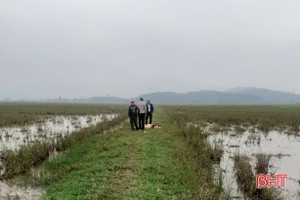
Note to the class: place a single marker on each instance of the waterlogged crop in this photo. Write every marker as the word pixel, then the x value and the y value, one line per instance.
pixel 27 113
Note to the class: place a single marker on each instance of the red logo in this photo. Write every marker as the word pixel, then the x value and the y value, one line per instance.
pixel 263 180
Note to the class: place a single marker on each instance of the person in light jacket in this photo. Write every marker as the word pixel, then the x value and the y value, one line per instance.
pixel 149 111
pixel 142 107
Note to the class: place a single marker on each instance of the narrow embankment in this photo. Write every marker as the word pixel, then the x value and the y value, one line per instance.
pixel 156 164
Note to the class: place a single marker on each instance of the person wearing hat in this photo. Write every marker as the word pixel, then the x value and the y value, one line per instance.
pixel 149 110
pixel 142 107
pixel 133 112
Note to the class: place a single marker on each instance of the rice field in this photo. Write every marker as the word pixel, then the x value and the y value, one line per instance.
pixel 200 152
pixel 240 136
pixel 12 114
pixel 36 130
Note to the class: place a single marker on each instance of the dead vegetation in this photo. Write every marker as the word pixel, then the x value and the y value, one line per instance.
pixel 247 179
pixel 32 154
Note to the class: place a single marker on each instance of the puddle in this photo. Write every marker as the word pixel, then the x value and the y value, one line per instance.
pixel 12 138
pixel 2 169
pixel 49 129
pixel 285 151
pixel 8 191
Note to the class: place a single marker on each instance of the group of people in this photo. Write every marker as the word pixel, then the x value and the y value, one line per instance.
pixel 141 110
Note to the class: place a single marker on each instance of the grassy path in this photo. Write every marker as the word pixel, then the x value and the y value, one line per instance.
pixel 127 165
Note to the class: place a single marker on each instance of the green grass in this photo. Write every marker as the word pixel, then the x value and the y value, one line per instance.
pixel 35 153
pixel 158 164
pixel 174 162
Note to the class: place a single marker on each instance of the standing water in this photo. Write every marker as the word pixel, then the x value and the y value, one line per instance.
pixel 12 138
pixel 284 151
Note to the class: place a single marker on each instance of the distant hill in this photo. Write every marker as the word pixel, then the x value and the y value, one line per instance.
pixel 202 97
pixel 236 96
pixel 240 96
pixel 269 96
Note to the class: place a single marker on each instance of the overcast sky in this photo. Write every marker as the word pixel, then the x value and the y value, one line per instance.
pixel 82 48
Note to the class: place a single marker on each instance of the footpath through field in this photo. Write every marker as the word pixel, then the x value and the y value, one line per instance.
pixel 127 165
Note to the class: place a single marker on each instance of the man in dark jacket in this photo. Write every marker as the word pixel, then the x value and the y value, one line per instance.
pixel 150 110
pixel 133 112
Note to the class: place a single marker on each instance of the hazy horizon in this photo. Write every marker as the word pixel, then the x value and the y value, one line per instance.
pixel 137 96
pixel 125 48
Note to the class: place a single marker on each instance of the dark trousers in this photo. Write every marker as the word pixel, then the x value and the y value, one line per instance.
pixel 142 121
pixel 149 114
pixel 133 122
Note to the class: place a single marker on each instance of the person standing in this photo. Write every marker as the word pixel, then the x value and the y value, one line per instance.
pixel 133 112
pixel 142 107
pixel 150 110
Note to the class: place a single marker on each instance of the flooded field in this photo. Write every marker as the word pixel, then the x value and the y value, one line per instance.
pixel 12 191
pixel 30 133
pixel 283 149
pixel 218 137
pixel 49 129
pixel 245 141
pixel 11 138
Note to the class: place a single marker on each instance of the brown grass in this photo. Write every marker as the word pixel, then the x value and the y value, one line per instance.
pixel 247 180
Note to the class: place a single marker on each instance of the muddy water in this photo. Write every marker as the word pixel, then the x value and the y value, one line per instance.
pixel 48 129
pixel 285 151
pixel 8 191
pixel 13 137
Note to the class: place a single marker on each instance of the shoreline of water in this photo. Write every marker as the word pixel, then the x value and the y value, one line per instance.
pixel 284 150
pixel 11 138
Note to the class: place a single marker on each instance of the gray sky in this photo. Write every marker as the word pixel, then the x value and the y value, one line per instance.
pixel 74 48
